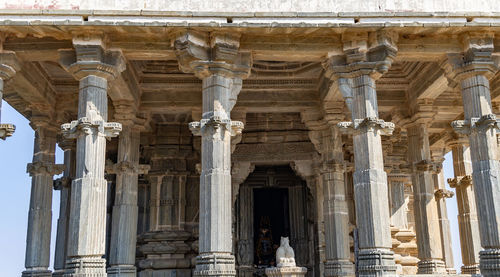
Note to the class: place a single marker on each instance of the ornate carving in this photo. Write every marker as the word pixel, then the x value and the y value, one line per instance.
pixel 482 124
pixel 9 65
pixel 63 182
pixel 44 168
pixel 6 130
pixel 214 123
pixel 368 124
pixel 86 126
pixel 443 193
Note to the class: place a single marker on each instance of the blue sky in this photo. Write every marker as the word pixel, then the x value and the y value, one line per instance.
pixel 17 151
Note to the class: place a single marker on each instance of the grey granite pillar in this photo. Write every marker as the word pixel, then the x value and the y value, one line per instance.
pixel 92 66
pixel 441 193
pixel 427 227
pixel 473 70
pixel 63 184
pixel 468 225
pixel 125 210
pixel 216 128
pixel 215 59
pixel 41 170
pixel 398 203
pixel 365 58
pixel 9 65
pixel 336 216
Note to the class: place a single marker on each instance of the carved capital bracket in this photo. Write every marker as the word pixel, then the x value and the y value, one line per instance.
pixel 127 167
pixel 460 181
pixel 443 193
pixel 89 57
pixel 207 53
pixel 63 182
pixel 9 64
pixel 332 166
pixel 6 130
pixel 366 125
pixel 424 165
pixel 44 168
pixel 365 53
pixel 214 123
pixel 482 124
pixel 85 126
pixel 476 58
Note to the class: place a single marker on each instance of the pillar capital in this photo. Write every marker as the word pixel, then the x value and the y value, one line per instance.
pixel 443 193
pixel 460 181
pixel 366 125
pixel 365 53
pixel 9 64
pixel 44 168
pixel 212 53
pixel 476 58
pixel 90 57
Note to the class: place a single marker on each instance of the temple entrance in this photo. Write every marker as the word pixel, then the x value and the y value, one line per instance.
pixel 273 202
pixel 271 222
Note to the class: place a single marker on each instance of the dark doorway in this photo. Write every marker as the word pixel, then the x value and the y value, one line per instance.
pixel 271 222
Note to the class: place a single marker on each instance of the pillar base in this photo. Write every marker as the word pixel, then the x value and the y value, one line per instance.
pixel 335 268
pixel 215 264
pixel 376 262
pixel 122 271
pixel 36 273
pixel 288 271
pixel 470 269
pixel 489 262
pixel 85 267
pixel 431 267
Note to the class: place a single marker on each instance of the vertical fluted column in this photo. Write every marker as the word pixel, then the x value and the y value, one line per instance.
pixel 336 217
pixel 92 65
pixel 426 211
pixel 215 59
pixel 63 184
pixel 216 128
pixel 366 57
pixel 125 210
pixel 41 170
pixel 473 70
pixel 468 224
pixel 441 193
pixel 398 204
pixel 9 65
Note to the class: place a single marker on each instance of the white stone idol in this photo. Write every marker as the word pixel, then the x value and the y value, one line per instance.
pixel 285 257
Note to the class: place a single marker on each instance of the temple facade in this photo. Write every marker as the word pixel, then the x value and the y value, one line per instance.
pixel 194 140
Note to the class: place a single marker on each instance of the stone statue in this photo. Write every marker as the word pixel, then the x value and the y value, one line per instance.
pixel 285 257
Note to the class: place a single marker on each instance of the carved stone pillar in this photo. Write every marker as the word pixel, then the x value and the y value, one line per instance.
pixel 441 193
pixel 93 66
pixel 63 184
pixel 367 57
pixel 215 59
pixel 468 225
pixel 9 65
pixel 125 210
pixel 41 170
pixel 473 69
pixel 398 203
pixel 427 226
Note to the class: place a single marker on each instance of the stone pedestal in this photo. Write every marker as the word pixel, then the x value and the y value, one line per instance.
pixel 9 65
pixel 92 65
pixel 473 69
pixel 41 171
pixel 286 271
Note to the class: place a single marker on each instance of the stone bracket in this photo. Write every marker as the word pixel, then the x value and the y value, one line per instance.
pixel 460 181
pixel 44 168
pixel 63 182
pixel 215 122
pixel 86 126
pixel 6 130
pixel 443 193
pixel 475 124
pixel 128 168
pixel 367 124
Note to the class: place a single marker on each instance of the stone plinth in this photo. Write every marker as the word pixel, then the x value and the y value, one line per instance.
pixel 293 271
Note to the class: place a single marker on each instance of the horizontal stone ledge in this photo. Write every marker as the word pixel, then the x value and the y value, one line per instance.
pixel 254 20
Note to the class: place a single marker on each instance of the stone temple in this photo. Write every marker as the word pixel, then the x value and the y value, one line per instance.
pixel 197 133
